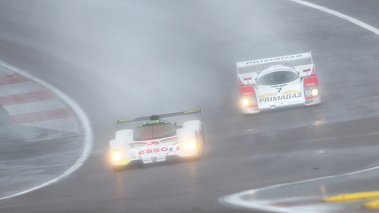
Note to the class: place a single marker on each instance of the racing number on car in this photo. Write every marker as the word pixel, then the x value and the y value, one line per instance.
pixel 279 89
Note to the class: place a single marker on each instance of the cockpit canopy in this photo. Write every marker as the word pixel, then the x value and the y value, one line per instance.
pixel 277 77
pixel 154 129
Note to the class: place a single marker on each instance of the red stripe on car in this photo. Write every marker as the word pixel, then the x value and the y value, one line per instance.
pixel 313 73
pixel 310 81
pixel 247 90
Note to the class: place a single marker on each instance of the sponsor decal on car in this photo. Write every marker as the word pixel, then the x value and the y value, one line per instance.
pixel 161 149
pixel 289 94
pixel 291 91
pixel 259 61
pixel 310 84
pixel 126 120
pixel 192 111
pixel 268 95
pixel 154 122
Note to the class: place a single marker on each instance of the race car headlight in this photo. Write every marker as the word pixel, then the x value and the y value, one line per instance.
pixel 248 100
pixel 245 101
pixel 116 155
pixel 307 92
pixel 314 92
pixel 190 145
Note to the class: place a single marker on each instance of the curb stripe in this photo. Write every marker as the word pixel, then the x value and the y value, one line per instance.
pixel 25 98
pixel 12 79
pixel 19 88
pixel 38 106
pixel 41 116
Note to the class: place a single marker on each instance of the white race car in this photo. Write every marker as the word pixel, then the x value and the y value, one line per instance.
pixel 277 82
pixel 156 138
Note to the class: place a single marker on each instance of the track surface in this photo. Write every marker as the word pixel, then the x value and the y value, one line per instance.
pixel 124 59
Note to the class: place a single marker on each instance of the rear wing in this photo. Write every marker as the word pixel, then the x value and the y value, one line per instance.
pixel 261 64
pixel 128 120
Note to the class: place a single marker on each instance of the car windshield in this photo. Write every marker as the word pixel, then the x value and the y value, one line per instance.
pixel 279 77
pixel 153 130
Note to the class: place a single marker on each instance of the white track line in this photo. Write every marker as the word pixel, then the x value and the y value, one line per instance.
pixel 235 199
pixel 339 15
pixel 88 140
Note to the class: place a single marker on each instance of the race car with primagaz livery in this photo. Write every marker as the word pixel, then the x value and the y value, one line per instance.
pixel 276 82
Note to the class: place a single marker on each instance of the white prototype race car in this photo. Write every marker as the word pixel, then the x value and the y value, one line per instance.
pixel 156 138
pixel 270 83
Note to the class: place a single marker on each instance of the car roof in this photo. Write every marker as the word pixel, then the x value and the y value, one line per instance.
pixel 276 68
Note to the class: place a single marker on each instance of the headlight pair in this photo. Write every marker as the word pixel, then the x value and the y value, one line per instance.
pixel 312 91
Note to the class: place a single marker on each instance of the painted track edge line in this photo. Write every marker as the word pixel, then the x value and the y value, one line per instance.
pixel 234 199
pixel 82 118
pixel 339 15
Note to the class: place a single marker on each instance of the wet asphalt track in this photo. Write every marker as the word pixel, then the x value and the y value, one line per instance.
pixel 124 59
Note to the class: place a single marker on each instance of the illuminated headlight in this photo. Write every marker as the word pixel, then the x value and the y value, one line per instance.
pixel 245 101
pixel 116 155
pixel 190 145
pixel 248 101
pixel 314 92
